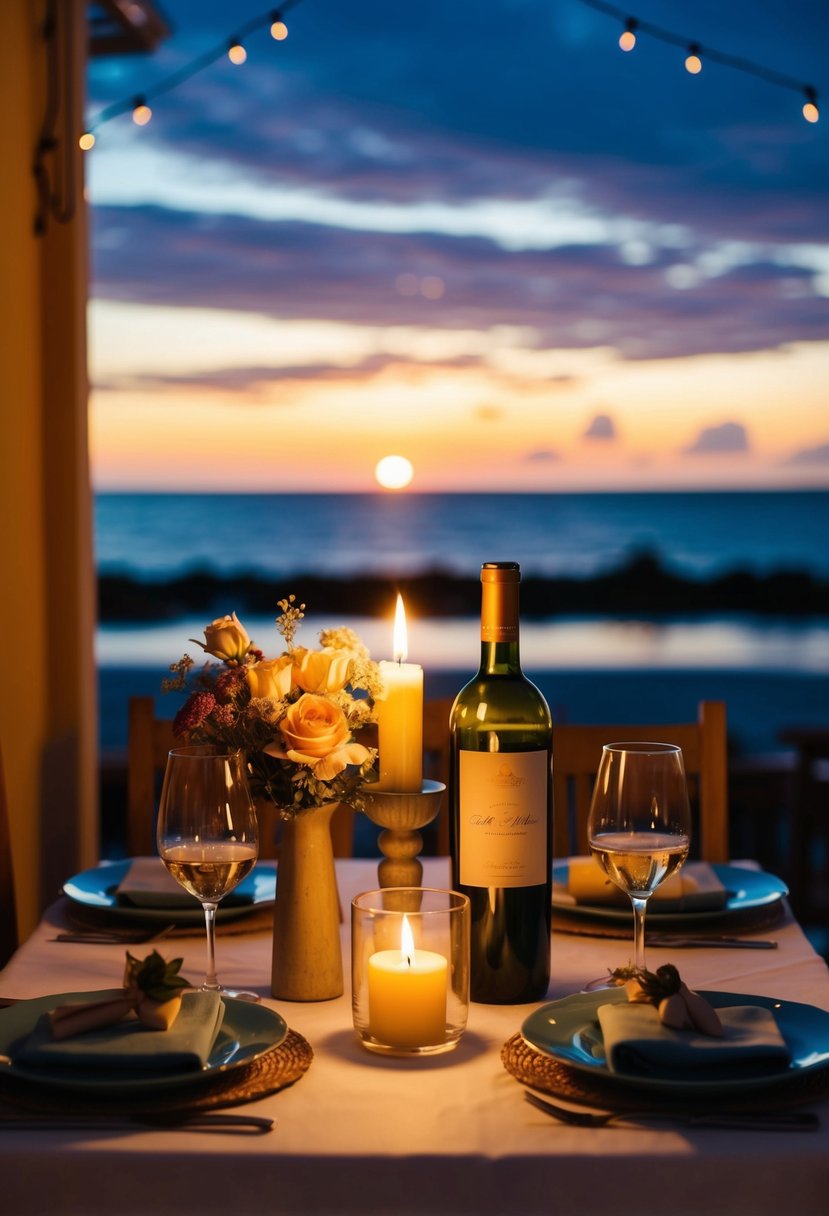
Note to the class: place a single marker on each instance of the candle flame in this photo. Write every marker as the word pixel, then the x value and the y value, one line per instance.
pixel 400 644
pixel 406 940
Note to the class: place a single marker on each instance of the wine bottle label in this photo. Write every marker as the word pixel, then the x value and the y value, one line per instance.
pixel 503 819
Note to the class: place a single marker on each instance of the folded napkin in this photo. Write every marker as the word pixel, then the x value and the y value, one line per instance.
pixel 149 884
pixel 128 1045
pixel 694 888
pixel 637 1042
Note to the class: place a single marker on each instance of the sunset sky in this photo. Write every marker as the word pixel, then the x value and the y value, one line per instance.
pixel 479 236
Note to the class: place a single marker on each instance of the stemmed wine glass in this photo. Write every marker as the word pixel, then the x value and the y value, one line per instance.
pixel 639 827
pixel 207 834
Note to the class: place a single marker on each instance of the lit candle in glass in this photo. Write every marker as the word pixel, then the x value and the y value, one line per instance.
pixel 407 995
pixel 399 712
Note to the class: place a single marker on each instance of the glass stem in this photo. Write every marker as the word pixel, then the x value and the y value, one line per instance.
pixel 211 980
pixel 639 908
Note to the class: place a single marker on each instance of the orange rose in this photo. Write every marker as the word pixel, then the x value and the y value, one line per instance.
pixel 313 727
pixel 316 733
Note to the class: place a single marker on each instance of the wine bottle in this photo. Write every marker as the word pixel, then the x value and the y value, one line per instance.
pixel 501 806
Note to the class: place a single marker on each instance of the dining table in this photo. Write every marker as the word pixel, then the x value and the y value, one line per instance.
pixel 365 1133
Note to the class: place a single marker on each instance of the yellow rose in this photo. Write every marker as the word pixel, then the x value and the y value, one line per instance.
pixel 226 638
pixel 324 670
pixel 271 677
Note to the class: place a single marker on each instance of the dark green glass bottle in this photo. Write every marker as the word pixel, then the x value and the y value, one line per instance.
pixel 501 806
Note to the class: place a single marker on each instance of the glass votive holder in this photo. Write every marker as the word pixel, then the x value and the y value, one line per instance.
pixel 410 969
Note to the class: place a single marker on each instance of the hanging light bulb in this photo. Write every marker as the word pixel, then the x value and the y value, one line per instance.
pixel 236 53
pixel 810 111
pixel 86 141
pixel 279 29
pixel 141 112
pixel 627 41
pixel 693 63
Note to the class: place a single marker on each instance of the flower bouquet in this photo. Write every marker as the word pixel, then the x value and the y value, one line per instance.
pixel 295 717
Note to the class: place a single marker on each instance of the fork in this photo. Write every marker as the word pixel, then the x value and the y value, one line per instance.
pixel 115 936
pixel 779 1121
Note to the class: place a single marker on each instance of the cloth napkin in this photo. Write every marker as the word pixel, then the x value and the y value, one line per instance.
pixel 149 884
pixel 128 1045
pixel 694 888
pixel 636 1042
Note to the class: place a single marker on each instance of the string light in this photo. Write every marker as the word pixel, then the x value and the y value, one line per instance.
pixel 693 59
pixel 693 63
pixel 141 112
pixel 236 53
pixel 279 30
pixel 810 111
pixel 627 41
pixel 86 141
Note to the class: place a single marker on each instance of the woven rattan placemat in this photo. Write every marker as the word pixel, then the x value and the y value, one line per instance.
pixel 749 920
pixel 82 918
pixel 541 1071
pixel 272 1071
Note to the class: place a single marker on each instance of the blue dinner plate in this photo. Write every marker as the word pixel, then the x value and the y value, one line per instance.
pixel 98 889
pixel 248 1031
pixel 746 890
pixel 569 1031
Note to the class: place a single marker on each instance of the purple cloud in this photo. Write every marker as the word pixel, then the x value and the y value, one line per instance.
pixel 728 437
pixel 602 427
pixel 575 296
pixel 816 455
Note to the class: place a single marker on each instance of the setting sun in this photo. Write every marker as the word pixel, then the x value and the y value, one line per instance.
pixel 394 472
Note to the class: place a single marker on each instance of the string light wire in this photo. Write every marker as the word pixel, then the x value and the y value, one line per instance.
pixel 272 18
pixel 696 52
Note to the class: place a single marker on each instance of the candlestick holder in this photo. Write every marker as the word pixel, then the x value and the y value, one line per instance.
pixel 402 815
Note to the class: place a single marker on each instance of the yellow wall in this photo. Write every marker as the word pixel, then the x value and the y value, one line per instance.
pixel 47 697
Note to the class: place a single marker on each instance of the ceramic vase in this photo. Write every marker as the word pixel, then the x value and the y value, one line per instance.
pixel 307 955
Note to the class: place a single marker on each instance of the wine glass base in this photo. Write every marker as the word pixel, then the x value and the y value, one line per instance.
pixel 602 984
pixel 237 994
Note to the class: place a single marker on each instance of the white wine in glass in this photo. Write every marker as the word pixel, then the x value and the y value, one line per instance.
pixel 639 828
pixel 207 834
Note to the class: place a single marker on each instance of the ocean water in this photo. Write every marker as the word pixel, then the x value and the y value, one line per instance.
pixel 772 673
pixel 549 534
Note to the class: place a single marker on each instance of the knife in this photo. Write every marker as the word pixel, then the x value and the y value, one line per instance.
pixel 727 943
pixel 207 1121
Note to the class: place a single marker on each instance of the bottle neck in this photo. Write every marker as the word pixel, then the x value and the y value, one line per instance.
pixel 500 658
pixel 499 628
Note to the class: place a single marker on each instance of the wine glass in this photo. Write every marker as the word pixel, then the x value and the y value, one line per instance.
pixel 207 835
pixel 639 827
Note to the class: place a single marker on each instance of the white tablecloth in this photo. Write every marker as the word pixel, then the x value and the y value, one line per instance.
pixel 452 1134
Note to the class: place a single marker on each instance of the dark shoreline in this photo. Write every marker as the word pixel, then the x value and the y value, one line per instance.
pixel 642 586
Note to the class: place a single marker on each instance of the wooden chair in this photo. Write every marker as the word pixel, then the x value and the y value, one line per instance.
pixel 8 909
pixel 577 751
pixel 149 740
